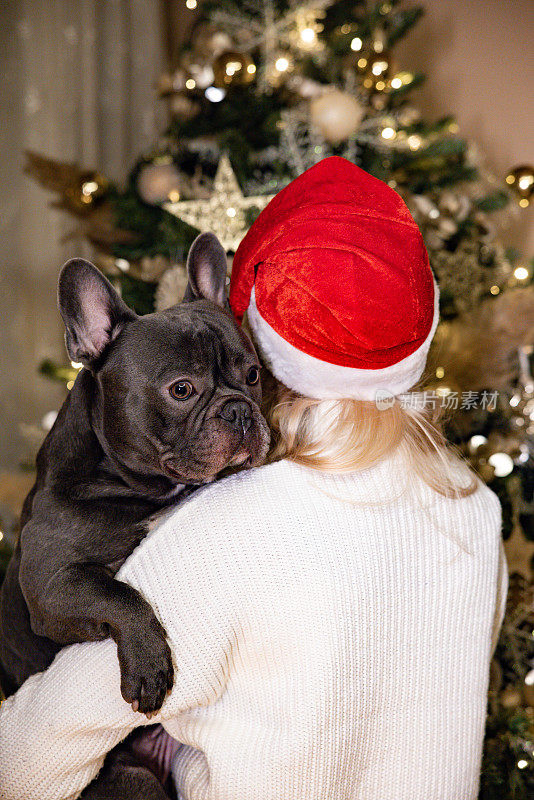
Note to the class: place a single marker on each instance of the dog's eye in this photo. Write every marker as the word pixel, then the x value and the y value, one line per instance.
pixel 181 390
pixel 253 376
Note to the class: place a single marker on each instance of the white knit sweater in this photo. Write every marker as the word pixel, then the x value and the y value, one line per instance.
pixel 331 642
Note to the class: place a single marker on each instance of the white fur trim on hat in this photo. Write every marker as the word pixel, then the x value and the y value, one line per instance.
pixel 318 379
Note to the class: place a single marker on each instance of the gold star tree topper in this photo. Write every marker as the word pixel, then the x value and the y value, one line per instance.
pixel 224 212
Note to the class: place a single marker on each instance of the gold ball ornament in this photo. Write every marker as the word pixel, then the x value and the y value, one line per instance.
pixel 232 69
pixel 510 697
pixel 336 115
pixel 521 181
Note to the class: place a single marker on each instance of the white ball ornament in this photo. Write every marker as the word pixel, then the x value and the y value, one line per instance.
pixel 159 182
pixel 48 420
pixel 171 287
pixel 336 115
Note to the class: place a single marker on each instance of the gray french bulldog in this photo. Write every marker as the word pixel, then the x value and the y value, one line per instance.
pixel 163 404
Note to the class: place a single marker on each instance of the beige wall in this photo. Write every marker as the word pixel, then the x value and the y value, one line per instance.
pixel 77 85
pixel 479 59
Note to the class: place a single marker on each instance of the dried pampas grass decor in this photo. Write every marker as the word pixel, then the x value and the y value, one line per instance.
pixel 478 350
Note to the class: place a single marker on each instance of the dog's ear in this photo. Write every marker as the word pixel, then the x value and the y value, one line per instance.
pixel 92 311
pixel 206 270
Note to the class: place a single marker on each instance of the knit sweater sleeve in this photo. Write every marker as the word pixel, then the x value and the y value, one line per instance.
pixel 502 591
pixel 56 730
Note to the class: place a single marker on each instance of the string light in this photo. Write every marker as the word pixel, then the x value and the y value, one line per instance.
pixel 88 188
pixel 214 95
pixel 1 536
pixel 440 372
pixel 522 764
pixel 521 273
pixel 525 182
pixel 282 64
pixel 379 67
pixel 305 35
pixel 389 133
pixel 232 67
pixel 191 4
pixel 521 179
pixel 414 142
pixel 401 79
pixel 356 44
pixel 495 289
pixel 190 83
pixel 523 457
pixel 308 35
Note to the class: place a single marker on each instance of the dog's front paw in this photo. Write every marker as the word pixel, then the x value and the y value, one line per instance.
pixel 146 668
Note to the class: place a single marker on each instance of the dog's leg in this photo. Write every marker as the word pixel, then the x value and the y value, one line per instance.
pixel 82 603
pixel 123 778
pixel 22 652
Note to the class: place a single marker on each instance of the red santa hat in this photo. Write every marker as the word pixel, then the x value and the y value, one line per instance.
pixel 336 281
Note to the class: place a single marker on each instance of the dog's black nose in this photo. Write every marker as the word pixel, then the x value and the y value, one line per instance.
pixel 238 413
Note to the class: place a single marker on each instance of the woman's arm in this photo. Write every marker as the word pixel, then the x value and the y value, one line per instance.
pixel 56 730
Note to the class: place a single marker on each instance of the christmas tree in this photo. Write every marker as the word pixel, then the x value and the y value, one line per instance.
pixel 264 90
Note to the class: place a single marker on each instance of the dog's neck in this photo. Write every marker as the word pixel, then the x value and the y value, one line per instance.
pixel 75 455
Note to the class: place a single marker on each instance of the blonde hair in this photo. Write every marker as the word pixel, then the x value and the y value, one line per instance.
pixel 348 435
